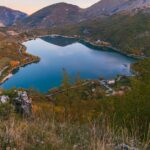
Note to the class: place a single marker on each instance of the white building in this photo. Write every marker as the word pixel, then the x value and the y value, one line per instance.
pixel 110 82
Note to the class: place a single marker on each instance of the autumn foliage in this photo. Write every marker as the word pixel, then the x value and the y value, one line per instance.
pixel 14 63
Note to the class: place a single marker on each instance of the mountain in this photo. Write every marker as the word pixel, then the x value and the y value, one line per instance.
pixel 122 23
pixel 9 16
pixel 62 13
pixel 129 34
pixel 54 15
pixel 110 7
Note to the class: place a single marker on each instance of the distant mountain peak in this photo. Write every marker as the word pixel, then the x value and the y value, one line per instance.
pixel 109 7
pixel 9 16
pixel 63 13
pixel 54 15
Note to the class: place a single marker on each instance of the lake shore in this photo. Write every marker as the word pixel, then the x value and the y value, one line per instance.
pixel 84 41
pixel 112 48
pixel 9 73
pixel 101 44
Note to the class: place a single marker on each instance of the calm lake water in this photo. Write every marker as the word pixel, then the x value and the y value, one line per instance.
pixel 59 53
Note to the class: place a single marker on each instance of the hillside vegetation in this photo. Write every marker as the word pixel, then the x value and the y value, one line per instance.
pixel 128 33
pixel 12 53
pixel 85 117
pixel 80 119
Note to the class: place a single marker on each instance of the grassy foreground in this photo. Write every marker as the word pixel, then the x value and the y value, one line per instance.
pixel 79 119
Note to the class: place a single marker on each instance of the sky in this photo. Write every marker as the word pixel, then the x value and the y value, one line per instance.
pixel 30 6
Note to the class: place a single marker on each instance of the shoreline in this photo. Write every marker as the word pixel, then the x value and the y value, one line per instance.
pixel 6 78
pixel 85 41
pixel 112 48
pixel 10 72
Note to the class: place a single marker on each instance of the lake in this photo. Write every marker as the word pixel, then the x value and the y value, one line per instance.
pixel 58 53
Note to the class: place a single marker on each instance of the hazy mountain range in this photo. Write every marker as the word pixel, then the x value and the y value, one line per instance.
pixel 62 13
pixel 9 16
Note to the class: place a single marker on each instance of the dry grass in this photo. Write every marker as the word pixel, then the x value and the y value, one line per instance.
pixel 43 131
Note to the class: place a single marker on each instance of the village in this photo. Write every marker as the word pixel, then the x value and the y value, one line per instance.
pixel 113 87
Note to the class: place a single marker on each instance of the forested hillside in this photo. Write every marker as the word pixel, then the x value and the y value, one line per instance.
pixel 129 34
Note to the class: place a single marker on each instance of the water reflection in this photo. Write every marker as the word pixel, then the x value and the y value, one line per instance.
pixel 59 40
pixel 57 53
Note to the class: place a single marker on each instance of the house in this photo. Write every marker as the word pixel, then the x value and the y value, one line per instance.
pixel 98 41
pixel 110 82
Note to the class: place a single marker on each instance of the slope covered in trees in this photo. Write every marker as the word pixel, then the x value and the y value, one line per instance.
pixel 129 34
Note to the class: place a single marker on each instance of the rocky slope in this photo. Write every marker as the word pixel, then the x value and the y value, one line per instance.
pixel 9 16
pixel 110 7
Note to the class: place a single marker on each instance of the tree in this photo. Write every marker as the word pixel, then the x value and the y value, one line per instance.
pixel 66 80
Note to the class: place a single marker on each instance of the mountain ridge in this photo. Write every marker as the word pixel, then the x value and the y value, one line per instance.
pixel 54 15
pixel 9 17
pixel 63 13
pixel 110 7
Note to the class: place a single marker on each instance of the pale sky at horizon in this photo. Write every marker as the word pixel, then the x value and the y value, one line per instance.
pixel 30 6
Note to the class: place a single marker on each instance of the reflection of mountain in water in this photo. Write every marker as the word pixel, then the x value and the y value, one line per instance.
pixel 59 40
